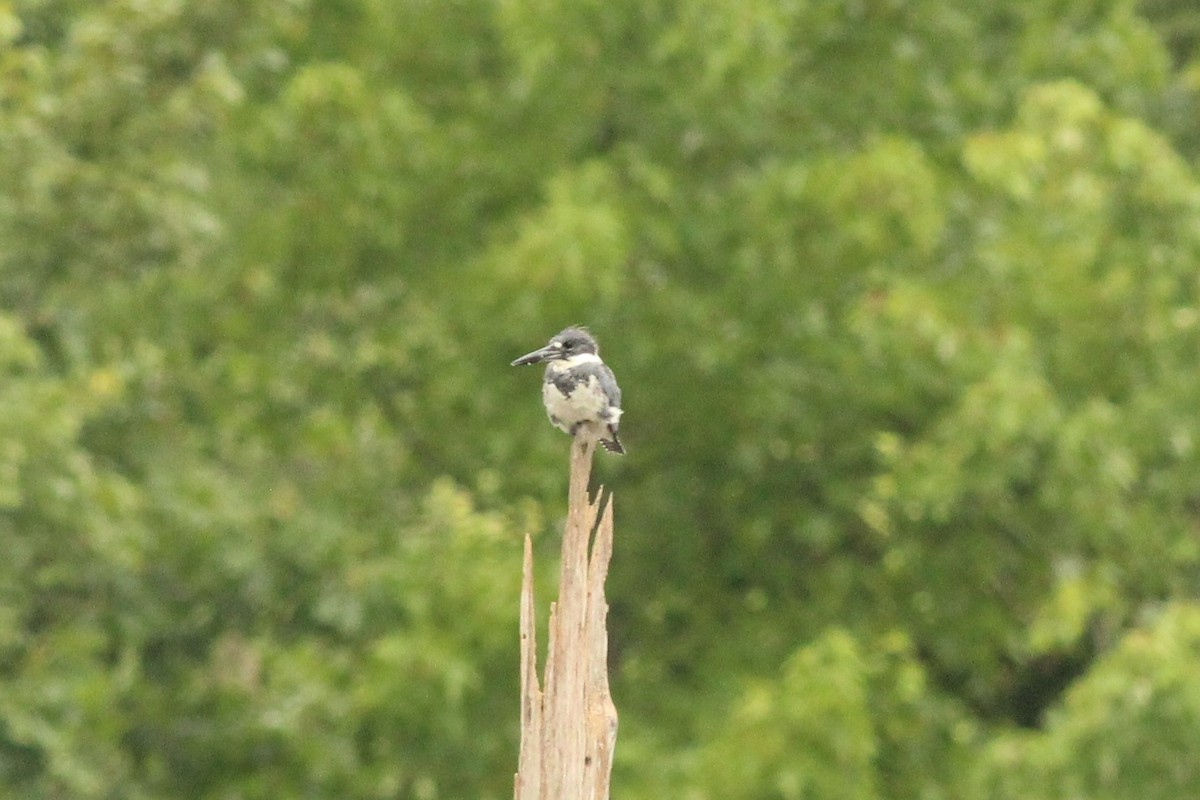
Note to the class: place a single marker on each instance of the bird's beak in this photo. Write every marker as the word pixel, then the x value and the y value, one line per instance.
pixel 538 356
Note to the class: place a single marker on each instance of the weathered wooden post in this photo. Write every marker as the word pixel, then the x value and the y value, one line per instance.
pixel 569 722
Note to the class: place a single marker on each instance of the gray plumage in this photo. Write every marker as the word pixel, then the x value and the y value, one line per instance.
pixel 579 391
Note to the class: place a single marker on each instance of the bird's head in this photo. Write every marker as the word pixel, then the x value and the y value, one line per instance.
pixel 563 345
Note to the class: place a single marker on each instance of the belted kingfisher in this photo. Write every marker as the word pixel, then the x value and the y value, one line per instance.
pixel 579 390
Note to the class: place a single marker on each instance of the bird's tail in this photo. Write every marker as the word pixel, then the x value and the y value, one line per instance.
pixel 613 444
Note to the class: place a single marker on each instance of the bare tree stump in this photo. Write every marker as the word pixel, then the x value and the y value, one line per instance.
pixel 569 728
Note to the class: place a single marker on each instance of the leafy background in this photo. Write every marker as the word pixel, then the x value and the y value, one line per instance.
pixel 904 298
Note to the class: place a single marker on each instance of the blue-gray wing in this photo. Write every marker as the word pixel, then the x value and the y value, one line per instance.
pixel 608 383
pixel 567 380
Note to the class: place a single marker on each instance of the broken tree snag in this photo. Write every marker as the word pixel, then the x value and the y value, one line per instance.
pixel 528 775
pixel 569 722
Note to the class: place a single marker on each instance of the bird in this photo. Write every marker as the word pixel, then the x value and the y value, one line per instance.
pixel 579 391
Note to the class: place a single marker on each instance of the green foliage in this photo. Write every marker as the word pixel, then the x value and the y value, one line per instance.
pixel 902 296
pixel 808 735
pixel 1127 730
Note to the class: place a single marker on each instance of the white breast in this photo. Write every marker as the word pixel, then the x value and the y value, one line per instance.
pixel 587 403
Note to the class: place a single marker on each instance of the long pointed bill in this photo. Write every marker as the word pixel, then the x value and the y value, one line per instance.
pixel 537 356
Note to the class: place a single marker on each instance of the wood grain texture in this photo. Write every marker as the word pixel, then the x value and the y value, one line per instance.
pixel 569 722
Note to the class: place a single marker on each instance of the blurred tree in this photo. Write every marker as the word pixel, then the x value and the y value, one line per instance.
pixel 1126 730
pixel 902 296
